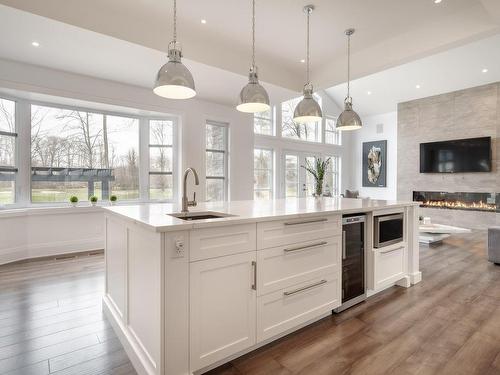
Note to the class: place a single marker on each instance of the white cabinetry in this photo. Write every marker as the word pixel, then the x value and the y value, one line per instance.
pixel 390 265
pixel 222 307
pixel 283 310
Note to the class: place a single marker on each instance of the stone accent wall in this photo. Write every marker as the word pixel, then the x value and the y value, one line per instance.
pixel 469 113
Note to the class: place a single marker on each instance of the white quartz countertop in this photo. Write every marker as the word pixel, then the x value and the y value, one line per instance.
pixel 156 215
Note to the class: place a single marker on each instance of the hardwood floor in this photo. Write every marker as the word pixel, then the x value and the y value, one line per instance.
pixel 51 319
pixel 51 323
pixel 447 324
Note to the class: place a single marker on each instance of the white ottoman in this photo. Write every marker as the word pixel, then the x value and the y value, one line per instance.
pixel 494 245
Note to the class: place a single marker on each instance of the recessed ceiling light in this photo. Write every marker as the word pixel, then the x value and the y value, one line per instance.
pixel 368 93
pixel 417 86
pixel 303 61
pixel 35 44
pixel 437 1
pixel 203 21
pixel 485 70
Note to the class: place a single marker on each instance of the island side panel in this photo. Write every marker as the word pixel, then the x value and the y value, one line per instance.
pixel 413 245
pixel 134 291
pixel 176 306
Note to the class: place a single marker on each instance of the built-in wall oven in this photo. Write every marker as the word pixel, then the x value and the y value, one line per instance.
pixel 388 229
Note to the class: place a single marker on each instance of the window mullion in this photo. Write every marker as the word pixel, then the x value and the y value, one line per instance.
pixel 23 153
pixel 143 159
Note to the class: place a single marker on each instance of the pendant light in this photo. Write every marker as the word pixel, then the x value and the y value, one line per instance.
pixel 253 97
pixel 348 119
pixel 308 109
pixel 174 80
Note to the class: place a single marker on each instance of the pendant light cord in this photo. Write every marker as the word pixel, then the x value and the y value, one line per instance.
pixel 175 22
pixel 348 64
pixel 307 47
pixel 253 34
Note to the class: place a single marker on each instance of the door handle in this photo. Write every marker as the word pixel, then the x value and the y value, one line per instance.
pixel 391 250
pixel 344 251
pixel 306 221
pixel 304 288
pixel 254 266
pixel 298 248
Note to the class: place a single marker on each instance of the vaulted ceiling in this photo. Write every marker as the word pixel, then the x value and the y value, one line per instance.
pixel 389 32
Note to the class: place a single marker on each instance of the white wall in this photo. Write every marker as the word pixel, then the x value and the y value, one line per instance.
pixel 31 233
pixel 388 122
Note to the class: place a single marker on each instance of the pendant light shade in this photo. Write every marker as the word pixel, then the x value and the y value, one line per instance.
pixel 174 80
pixel 253 97
pixel 308 109
pixel 348 119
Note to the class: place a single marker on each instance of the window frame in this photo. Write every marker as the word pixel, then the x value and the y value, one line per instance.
pixel 320 125
pixel 225 152
pixel 23 149
pixel 144 133
pixel 337 134
pixel 14 169
pixel 272 189
pixel 272 122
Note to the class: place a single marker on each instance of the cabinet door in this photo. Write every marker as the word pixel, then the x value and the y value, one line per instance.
pixel 390 265
pixel 222 308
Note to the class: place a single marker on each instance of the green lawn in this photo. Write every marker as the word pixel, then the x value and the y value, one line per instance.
pixel 47 196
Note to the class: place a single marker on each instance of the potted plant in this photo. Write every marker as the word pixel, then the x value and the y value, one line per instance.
pixel 73 200
pixel 113 199
pixel 93 200
pixel 318 170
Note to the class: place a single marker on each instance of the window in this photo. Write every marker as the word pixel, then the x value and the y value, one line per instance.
pixel 310 182
pixel 7 151
pixel 332 135
pixel 216 161
pixel 263 122
pixel 332 181
pixel 263 174
pixel 291 176
pixel 75 152
pixel 161 136
pixel 289 129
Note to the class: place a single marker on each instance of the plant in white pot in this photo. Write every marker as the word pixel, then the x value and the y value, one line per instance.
pixel 318 170
pixel 113 199
pixel 93 200
pixel 73 200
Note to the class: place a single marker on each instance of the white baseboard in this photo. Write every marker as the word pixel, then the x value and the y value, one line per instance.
pixel 14 254
pixel 416 277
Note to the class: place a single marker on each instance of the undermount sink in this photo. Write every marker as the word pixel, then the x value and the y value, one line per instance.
pixel 189 216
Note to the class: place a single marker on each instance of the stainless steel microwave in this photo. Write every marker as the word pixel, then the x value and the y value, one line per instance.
pixel 388 229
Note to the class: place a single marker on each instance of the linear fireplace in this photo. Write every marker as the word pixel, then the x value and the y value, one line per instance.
pixel 488 202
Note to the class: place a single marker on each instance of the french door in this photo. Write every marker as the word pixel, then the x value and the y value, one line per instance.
pixel 297 182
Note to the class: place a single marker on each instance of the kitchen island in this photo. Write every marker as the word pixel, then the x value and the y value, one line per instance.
pixel 185 296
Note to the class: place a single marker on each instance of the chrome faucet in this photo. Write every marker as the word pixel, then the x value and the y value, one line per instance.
pixel 185 201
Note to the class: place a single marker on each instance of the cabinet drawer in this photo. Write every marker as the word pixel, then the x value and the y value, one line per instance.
pixel 286 232
pixel 285 266
pixel 390 265
pixel 220 241
pixel 282 310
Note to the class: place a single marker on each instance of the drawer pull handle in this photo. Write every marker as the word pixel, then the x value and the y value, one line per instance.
pixel 307 221
pixel 254 266
pixel 292 249
pixel 391 250
pixel 304 288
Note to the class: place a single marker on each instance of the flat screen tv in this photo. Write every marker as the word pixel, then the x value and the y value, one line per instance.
pixel 456 156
